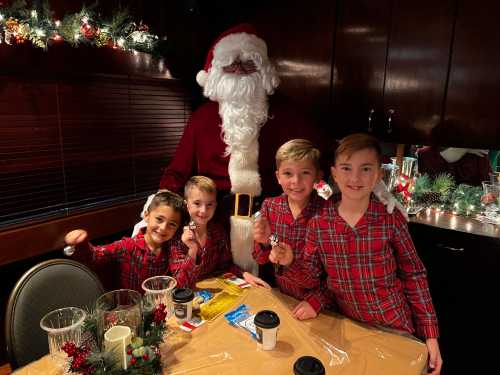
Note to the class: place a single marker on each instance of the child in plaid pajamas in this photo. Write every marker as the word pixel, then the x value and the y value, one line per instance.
pixel 204 248
pixel 287 215
pixel 144 255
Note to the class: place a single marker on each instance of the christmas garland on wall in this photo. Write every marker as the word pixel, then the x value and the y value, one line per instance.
pixel 18 25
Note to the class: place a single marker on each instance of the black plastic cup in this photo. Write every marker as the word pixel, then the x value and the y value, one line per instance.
pixel 183 304
pixel 266 326
pixel 308 365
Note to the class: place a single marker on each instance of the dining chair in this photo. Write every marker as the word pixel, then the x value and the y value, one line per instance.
pixel 45 287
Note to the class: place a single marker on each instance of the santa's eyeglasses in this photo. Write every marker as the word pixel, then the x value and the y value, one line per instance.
pixel 240 67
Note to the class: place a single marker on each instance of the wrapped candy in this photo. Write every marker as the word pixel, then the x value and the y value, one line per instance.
pixel 256 216
pixel 324 190
pixel 192 225
pixel 274 239
pixel 69 250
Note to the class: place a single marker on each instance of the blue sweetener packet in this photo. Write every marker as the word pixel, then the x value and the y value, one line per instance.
pixel 239 313
pixel 205 294
pixel 241 318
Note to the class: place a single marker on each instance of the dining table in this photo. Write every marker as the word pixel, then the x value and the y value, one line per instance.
pixel 344 346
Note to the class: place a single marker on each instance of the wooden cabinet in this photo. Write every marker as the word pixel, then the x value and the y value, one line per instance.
pixel 472 114
pixel 463 280
pixel 390 67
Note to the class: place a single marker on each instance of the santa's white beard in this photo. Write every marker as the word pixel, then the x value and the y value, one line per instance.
pixel 242 119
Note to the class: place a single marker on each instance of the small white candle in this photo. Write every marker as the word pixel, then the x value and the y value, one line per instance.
pixel 116 340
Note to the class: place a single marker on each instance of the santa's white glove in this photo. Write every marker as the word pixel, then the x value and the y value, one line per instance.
pixel 454 154
pixel 382 193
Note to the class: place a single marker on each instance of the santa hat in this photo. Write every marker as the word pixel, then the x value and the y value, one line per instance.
pixel 241 38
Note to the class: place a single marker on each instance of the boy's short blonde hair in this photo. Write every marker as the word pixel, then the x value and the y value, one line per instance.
pixel 298 149
pixel 357 142
pixel 203 183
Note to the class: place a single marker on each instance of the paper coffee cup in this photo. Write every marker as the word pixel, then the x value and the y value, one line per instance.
pixel 183 304
pixel 266 326
pixel 308 365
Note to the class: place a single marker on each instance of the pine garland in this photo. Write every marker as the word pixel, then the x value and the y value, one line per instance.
pixel 466 200
pixel 19 24
pixel 442 191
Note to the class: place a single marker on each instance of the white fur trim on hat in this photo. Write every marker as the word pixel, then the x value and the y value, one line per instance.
pixel 201 78
pixel 239 44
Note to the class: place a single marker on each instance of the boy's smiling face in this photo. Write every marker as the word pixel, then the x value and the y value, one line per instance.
pixel 297 178
pixel 357 175
pixel 162 223
pixel 201 205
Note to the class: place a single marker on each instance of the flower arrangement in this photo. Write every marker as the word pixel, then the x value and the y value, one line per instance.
pixel 143 354
pixel 19 24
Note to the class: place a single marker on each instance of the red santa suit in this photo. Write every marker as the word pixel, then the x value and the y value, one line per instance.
pixel 234 137
pixel 201 148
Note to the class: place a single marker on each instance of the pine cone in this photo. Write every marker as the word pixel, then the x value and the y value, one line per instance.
pixel 430 198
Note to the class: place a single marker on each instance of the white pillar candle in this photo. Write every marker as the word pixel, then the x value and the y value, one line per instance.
pixel 116 340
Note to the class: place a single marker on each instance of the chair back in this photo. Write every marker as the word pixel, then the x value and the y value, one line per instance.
pixel 45 287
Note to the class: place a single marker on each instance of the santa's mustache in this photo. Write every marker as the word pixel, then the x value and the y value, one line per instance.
pixel 243 89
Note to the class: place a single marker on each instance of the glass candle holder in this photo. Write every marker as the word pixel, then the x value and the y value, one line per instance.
pixel 121 307
pixel 158 290
pixel 63 325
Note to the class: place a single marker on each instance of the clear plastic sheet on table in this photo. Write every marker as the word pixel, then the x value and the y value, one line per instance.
pixel 343 346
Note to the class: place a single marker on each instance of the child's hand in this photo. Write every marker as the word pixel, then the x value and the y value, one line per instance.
pixel 261 231
pixel 281 254
pixel 76 237
pixel 435 360
pixel 189 239
pixel 254 280
pixel 304 311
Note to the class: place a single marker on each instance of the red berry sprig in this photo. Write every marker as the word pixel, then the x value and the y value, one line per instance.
pixel 159 313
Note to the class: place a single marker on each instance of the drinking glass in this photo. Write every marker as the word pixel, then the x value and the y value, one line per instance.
pixel 157 290
pixel 121 307
pixel 391 174
pixel 409 166
pixel 493 190
pixel 63 325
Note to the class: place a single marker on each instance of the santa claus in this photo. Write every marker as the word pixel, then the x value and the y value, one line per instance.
pixel 233 137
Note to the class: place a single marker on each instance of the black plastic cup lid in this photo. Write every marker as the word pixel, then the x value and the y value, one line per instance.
pixel 267 319
pixel 308 365
pixel 182 295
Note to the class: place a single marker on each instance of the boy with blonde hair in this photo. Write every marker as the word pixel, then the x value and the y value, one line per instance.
pixel 204 248
pixel 287 215
pixel 372 267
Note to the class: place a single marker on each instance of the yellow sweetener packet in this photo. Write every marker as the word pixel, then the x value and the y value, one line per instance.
pixel 221 303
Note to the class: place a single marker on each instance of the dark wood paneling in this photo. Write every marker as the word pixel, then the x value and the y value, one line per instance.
pixel 417 67
pixel 34 240
pixel 472 115
pixel 300 42
pixel 385 60
pixel 359 66
pixel 61 58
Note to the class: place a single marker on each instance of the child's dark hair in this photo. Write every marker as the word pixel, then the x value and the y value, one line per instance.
pixel 357 142
pixel 171 199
